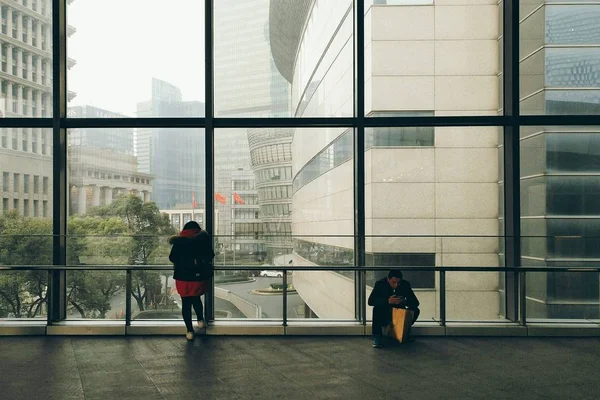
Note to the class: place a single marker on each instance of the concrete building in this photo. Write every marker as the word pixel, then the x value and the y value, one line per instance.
pixel 424 186
pixel 26 91
pixel 560 67
pixel 174 157
pixel 98 176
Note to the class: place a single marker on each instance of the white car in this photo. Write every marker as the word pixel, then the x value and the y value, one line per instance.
pixel 272 274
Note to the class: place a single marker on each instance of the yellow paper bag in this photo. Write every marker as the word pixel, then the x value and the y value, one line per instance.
pixel 401 323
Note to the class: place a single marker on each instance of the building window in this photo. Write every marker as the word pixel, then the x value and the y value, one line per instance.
pixel 15 143
pixel 44 209
pixel 36 211
pixel 16 204
pixel 26 208
pixel 26 183
pixel 5 177
pixel 45 185
pixel 400 136
pixel 5 205
pixel 4 138
pixel 16 183
pixel 36 184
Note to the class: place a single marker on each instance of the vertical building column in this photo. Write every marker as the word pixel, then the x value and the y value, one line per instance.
pixel 146 196
pixel 29 31
pixel 38 104
pixel 29 136
pixel 19 26
pixel 29 110
pixel 95 196
pixel 81 200
pixel 38 69
pixel 9 59
pixel 19 99
pixel 30 67
pixel 48 37
pixel 9 21
pixel 108 195
pixel 20 64
pixel 9 97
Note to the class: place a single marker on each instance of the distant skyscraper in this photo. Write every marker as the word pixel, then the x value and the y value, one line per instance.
pixel 175 157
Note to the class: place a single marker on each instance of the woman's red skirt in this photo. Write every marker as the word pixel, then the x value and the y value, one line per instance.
pixel 190 289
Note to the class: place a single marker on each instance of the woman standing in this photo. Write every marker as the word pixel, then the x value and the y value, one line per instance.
pixel 192 255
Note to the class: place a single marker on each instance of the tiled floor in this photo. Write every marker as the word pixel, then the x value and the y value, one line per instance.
pixel 217 367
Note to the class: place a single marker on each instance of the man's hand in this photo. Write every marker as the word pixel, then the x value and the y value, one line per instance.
pixel 395 300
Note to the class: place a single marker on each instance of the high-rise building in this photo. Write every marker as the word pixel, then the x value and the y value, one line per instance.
pixel 560 165
pixel 26 91
pixel 174 157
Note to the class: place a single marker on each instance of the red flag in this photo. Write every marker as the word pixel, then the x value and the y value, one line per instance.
pixel 220 198
pixel 194 204
pixel 238 199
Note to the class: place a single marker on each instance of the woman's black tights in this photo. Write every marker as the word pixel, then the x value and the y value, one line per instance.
pixel 186 310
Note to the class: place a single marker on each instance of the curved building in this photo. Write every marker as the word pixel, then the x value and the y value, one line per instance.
pixel 271 157
pixel 423 186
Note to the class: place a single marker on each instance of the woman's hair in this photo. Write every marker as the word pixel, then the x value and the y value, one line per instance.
pixel 191 225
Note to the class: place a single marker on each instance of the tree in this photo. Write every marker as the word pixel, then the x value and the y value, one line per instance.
pixel 24 241
pixel 148 230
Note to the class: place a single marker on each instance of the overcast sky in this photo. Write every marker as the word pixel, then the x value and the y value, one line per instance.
pixel 121 44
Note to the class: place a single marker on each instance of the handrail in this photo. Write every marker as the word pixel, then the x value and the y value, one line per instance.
pixel 300 268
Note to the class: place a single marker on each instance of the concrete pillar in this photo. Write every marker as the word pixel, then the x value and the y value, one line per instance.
pixel 19 99
pixel 30 101
pixel 29 135
pixel 48 37
pixel 38 103
pixel 95 196
pixel 9 96
pixel 19 26
pixel 9 22
pixel 9 59
pixel 38 69
pixel 29 31
pixel 108 195
pixel 29 67
pixel 81 200
pixel 20 64
pixel 146 195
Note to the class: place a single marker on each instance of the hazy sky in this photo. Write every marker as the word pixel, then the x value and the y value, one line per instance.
pixel 121 44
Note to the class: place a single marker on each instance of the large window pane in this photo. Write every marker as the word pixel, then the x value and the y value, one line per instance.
pixel 283 58
pixel 128 191
pixel 442 59
pixel 560 223
pixel 146 67
pixel 436 201
pixel 281 198
pixel 560 59
pixel 26 42
pixel 96 295
pixel 25 219
pixel 251 295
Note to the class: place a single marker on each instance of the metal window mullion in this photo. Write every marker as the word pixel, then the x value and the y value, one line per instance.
pixel 512 201
pixel 209 142
pixel 359 160
pixel 57 306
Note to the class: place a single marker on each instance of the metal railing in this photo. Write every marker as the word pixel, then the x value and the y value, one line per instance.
pixel 443 270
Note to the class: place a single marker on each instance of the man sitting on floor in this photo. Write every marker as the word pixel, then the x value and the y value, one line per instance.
pixel 388 293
